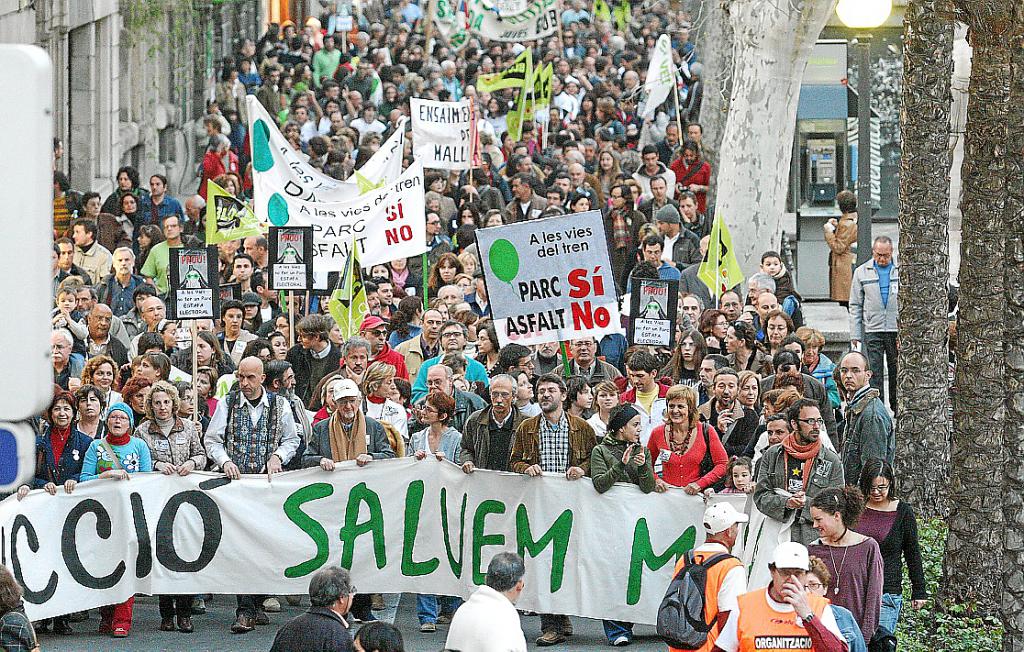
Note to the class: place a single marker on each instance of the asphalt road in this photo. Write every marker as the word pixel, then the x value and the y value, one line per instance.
pixel 212 632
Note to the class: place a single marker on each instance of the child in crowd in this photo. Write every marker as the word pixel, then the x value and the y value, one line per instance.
pixel 738 477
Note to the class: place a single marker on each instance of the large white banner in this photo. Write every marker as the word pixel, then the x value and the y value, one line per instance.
pixel 442 133
pixel 538 20
pixel 279 173
pixel 386 223
pixel 401 525
pixel 550 280
pixel 661 76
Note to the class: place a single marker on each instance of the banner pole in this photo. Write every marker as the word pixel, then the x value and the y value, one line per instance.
pixel 675 94
pixel 424 280
pixel 195 369
pixel 566 370
pixel 291 318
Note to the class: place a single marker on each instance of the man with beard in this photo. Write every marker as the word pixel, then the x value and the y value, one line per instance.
pixel 280 380
pixel 791 473
pixel 736 424
pixel 375 330
pixel 788 374
pixel 251 431
pixel 355 358
pixel 553 442
pixel 869 432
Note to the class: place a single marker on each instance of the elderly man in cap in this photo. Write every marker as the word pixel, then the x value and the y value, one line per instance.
pixel 375 331
pixel 681 246
pixel 726 576
pixel 784 616
pixel 348 435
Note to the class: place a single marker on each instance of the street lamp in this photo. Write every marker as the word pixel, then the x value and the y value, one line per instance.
pixel 860 15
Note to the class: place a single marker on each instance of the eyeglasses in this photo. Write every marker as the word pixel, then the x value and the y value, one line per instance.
pixel 814 586
pixel 813 422
pixel 452 334
pixel 880 489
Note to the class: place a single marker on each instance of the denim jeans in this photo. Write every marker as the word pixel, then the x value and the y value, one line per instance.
pixel 883 357
pixel 892 605
pixel 427 606
pixel 613 629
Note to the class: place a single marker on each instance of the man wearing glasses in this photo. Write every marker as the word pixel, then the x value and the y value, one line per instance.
pixel 869 431
pixel 487 437
pixel 453 340
pixel 375 331
pixel 795 470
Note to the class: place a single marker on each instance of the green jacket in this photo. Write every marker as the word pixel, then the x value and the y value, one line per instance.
pixel 606 467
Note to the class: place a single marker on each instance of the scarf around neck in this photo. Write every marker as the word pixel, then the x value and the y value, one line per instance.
pixel 347 445
pixel 804 452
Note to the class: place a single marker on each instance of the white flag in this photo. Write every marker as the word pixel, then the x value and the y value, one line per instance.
pixel 661 76
pixel 280 173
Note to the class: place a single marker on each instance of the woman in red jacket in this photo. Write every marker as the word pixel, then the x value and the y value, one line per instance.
pixel 219 160
pixel 686 453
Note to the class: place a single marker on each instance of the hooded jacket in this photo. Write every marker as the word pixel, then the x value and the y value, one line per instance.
pixel 869 433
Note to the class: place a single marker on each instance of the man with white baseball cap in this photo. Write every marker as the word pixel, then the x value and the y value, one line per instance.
pixel 726 576
pixel 785 615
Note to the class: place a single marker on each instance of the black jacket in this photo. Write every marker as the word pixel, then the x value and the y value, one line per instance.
pixel 319 445
pixel 317 630
pixel 302 362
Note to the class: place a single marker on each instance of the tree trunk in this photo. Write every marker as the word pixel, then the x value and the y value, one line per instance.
pixel 1012 603
pixel 973 558
pixel 716 48
pixel 922 445
pixel 773 43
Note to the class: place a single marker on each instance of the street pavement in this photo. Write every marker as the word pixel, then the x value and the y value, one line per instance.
pixel 212 632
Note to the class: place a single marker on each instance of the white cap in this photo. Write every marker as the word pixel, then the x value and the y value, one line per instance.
pixel 719 517
pixel 517 48
pixel 791 555
pixel 344 389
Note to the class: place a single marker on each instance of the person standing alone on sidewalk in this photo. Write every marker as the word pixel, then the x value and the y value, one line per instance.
pixel 873 301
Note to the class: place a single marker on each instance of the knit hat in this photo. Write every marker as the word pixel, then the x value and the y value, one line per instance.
pixel 621 418
pixel 668 214
pixel 123 407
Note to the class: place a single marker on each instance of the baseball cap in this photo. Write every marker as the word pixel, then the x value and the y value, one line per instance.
pixel 721 516
pixel 345 389
pixel 791 555
pixel 371 322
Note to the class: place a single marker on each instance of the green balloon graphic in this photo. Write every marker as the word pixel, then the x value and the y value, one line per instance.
pixel 277 210
pixel 504 260
pixel 262 159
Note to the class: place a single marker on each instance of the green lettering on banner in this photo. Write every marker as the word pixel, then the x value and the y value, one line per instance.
pixel 456 564
pixel 643 554
pixel 480 539
pixel 374 525
pixel 558 534
pixel 413 502
pixel 309 525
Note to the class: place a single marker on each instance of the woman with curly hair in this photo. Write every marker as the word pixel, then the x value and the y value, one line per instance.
pixel 101 370
pixel 16 631
pixel 134 392
pixel 176 448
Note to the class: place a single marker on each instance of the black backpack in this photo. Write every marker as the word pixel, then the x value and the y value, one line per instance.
pixel 681 619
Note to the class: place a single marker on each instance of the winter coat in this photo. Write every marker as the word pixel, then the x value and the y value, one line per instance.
pixel 606 467
pixel 867 313
pixel 841 258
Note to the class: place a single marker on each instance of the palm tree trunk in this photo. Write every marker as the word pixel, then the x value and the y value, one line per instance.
pixel 922 447
pixel 1012 603
pixel 972 564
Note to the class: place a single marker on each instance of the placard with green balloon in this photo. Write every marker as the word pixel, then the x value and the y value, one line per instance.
pixel 550 280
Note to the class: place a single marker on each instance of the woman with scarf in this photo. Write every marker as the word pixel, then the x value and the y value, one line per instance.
pixel 60 453
pixel 620 457
pixel 116 457
pixel 378 388
pixel 622 231
pixel 176 448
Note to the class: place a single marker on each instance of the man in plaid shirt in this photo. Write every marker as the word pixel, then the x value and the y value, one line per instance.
pixel 553 442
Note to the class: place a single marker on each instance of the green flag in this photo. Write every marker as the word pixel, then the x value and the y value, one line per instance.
pixel 623 12
pixel 227 217
pixel 720 270
pixel 348 301
pixel 602 11
pixel 515 76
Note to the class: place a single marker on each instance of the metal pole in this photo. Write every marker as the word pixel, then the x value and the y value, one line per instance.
pixel 863 48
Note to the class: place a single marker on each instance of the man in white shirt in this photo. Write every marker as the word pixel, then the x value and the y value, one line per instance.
pixel 488 621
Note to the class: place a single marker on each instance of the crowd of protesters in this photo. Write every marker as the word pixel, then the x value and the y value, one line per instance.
pixel 745 402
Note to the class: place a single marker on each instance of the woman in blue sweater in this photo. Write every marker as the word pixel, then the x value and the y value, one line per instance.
pixel 115 457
